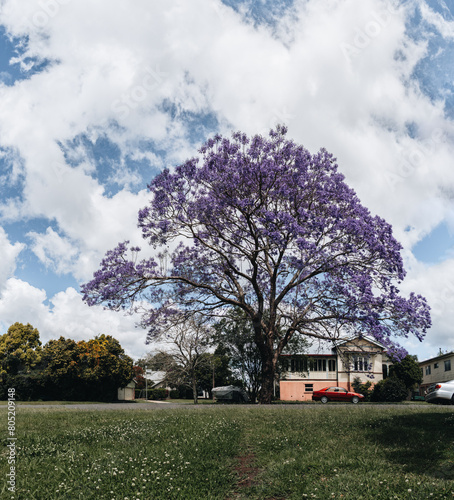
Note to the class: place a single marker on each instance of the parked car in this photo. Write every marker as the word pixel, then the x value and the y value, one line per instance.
pixel 230 394
pixel 442 393
pixel 336 394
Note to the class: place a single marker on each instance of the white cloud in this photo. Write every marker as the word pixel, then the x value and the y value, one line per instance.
pixel 66 315
pixel 9 253
pixel 19 301
pixel 54 251
pixel 436 283
pixel 444 27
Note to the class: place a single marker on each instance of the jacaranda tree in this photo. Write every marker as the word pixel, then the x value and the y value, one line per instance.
pixel 263 225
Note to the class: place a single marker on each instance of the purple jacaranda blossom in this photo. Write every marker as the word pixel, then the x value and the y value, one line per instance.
pixel 268 227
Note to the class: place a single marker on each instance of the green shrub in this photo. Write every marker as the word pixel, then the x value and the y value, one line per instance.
pixel 174 394
pixel 157 394
pixel 362 388
pixel 389 390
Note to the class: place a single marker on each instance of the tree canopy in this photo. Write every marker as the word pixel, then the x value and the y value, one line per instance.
pixel 263 225
pixel 407 370
pixel 63 368
pixel 20 349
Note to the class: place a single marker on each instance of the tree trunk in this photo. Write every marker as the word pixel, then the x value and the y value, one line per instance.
pixel 265 345
pixel 268 373
pixel 194 389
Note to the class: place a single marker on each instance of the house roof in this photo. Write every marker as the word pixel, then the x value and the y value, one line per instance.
pixel 363 337
pixel 156 377
pixel 439 357
pixel 328 348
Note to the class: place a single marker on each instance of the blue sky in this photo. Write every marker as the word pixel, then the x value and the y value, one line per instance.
pixel 96 99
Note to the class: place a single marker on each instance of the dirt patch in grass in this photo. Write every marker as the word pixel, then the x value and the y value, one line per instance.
pixel 247 474
pixel 246 470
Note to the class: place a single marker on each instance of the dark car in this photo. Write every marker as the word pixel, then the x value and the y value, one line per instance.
pixel 442 393
pixel 230 394
pixel 336 394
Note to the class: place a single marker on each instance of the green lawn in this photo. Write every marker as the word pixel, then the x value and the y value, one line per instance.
pixel 230 452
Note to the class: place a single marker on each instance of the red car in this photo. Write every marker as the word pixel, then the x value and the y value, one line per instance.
pixel 336 394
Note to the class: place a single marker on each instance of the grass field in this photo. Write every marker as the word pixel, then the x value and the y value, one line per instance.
pixel 233 452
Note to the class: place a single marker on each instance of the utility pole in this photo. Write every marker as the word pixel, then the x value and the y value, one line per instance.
pixel 146 384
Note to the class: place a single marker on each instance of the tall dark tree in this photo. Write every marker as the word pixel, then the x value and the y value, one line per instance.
pixel 235 334
pixel 407 370
pixel 264 225
pixel 62 371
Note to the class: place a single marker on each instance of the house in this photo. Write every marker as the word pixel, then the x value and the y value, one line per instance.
pixel 438 369
pixel 337 364
pixel 127 393
pixel 156 380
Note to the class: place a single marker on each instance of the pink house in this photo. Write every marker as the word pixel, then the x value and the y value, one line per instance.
pixel 335 365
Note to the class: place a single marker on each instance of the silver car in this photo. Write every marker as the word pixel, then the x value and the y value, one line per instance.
pixel 442 393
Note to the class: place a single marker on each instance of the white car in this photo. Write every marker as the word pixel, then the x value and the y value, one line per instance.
pixel 442 393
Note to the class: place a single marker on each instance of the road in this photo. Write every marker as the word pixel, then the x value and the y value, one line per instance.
pixel 160 405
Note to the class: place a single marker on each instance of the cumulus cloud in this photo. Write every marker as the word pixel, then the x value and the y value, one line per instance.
pixel 9 253
pixel 437 285
pixel 66 315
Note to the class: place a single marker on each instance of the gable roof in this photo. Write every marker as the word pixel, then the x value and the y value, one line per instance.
pixel 328 348
pixel 360 337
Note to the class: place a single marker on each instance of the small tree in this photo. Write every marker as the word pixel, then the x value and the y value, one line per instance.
pixel 215 370
pixel 362 388
pixel 139 378
pixel 20 349
pixel 186 341
pixel 407 370
pixel 390 390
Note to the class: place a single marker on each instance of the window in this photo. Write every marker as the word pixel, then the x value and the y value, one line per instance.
pixel 284 364
pixel 309 387
pixel 317 365
pixel 331 365
pixel 298 365
pixel 360 364
pixel 428 370
pixel 448 365
pixel 435 366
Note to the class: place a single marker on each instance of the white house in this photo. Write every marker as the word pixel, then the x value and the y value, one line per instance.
pixel 335 365
pixel 437 369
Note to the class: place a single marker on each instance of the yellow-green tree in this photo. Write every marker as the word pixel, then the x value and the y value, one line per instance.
pixel 20 349
pixel 85 370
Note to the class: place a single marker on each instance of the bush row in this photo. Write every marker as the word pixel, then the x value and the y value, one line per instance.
pixel 35 386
